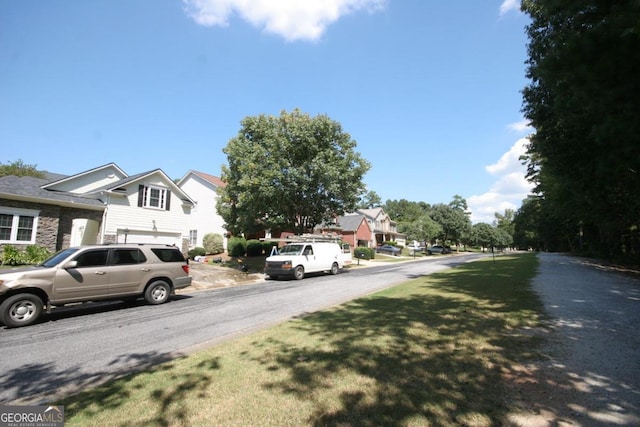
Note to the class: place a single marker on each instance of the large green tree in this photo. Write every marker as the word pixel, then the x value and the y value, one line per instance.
pixel 369 200
pixel 20 168
pixel 405 211
pixel 423 229
pixel 583 101
pixel 453 220
pixel 505 221
pixel 289 172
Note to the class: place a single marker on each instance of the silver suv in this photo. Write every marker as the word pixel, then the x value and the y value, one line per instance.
pixel 92 273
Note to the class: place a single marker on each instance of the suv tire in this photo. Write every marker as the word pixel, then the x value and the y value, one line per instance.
pixel 20 310
pixel 157 292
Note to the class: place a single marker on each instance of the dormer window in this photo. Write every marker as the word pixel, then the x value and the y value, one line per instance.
pixel 154 197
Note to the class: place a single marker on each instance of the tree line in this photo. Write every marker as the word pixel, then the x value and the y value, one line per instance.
pixel 449 224
pixel 582 100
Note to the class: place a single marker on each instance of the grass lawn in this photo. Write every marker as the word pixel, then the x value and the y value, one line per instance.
pixel 430 352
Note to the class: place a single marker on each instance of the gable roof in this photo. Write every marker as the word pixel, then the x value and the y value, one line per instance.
pixel 50 176
pixel 63 178
pixel 375 213
pixel 371 213
pixel 351 222
pixel 212 179
pixel 118 185
pixel 30 189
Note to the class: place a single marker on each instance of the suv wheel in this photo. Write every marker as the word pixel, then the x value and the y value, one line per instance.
pixel 157 292
pixel 20 310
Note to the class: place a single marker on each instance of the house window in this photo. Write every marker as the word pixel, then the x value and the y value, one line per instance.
pixel 193 237
pixel 154 197
pixel 18 226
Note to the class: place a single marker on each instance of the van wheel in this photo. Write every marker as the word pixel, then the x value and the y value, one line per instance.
pixel 298 273
pixel 334 268
pixel 20 310
pixel 157 292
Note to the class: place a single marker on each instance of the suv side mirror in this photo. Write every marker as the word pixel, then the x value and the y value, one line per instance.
pixel 70 264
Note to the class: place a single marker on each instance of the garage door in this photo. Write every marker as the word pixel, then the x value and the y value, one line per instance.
pixel 160 238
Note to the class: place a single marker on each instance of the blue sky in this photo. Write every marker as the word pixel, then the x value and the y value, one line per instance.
pixel 430 90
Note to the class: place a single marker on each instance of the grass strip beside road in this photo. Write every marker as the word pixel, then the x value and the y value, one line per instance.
pixel 432 351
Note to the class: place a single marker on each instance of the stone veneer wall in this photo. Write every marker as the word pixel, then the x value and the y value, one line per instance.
pixel 66 217
pixel 54 222
pixel 185 246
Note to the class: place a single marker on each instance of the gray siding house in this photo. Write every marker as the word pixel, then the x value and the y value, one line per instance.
pixel 100 205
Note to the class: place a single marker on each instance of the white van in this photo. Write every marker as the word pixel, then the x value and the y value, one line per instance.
pixel 297 259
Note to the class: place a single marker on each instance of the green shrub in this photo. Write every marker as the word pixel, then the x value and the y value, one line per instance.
pixel 36 254
pixel 254 248
pixel 213 243
pixel 10 255
pixel 267 247
pixel 197 251
pixel 237 246
pixel 364 253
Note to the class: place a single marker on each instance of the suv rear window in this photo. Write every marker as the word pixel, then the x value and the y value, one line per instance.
pixel 168 254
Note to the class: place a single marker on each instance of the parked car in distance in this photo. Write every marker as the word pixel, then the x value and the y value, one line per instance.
pixel 415 248
pixel 388 249
pixel 91 273
pixel 438 249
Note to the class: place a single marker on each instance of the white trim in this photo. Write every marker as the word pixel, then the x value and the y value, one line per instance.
pixel 17 213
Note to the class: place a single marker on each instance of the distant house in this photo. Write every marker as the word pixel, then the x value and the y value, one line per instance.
pixel 204 220
pixel 384 228
pixel 101 205
pixel 353 228
pixel 366 227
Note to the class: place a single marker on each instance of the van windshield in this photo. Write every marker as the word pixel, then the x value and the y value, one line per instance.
pixel 291 250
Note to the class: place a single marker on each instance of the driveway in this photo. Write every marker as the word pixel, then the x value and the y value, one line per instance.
pixel 590 375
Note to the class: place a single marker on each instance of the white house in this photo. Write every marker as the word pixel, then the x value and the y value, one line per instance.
pixel 204 220
pixel 144 208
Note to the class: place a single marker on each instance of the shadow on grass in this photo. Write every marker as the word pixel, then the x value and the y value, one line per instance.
pixel 167 401
pixel 37 380
pixel 430 352
pixel 433 356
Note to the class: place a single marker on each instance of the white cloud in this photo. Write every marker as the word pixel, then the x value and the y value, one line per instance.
pixel 290 19
pixel 510 161
pixel 521 126
pixel 508 191
pixel 508 6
